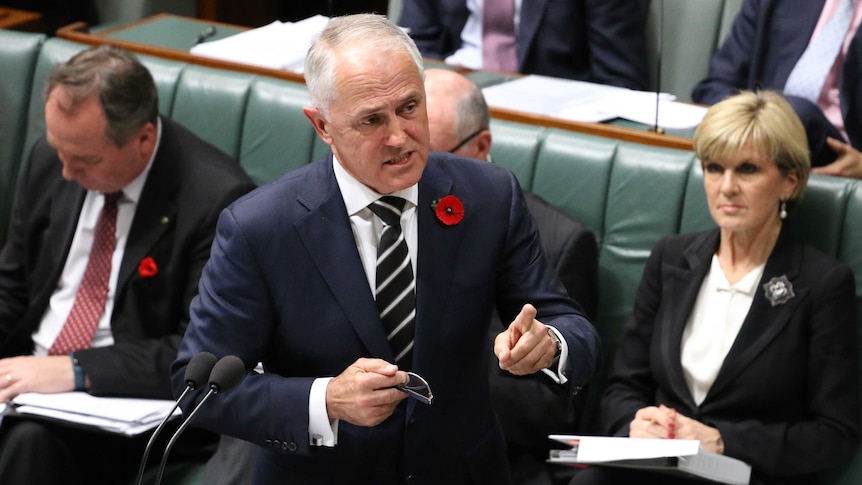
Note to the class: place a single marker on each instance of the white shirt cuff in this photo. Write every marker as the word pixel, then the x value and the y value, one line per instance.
pixel 558 375
pixel 322 431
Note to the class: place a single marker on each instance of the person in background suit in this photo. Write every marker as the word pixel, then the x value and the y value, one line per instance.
pixel 742 337
pixel 104 141
pixel 764 47
pixel 599 41
pixel 529 407
pixel 291 283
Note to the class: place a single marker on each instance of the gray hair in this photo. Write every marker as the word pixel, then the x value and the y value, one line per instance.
pixel 375 33
pixel 124 86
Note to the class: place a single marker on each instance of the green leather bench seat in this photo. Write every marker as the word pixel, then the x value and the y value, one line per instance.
pixel 631 195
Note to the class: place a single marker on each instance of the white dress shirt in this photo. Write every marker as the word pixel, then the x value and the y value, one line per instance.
pixel 61 301
pixel 470 52
pixel 714 323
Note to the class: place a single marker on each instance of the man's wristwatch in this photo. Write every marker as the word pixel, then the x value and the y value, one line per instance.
pixel 557 341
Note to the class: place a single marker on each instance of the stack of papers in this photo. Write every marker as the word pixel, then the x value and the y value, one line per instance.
pixel 590 102
pixel 279 45
pixel 666 456
pixel 125 416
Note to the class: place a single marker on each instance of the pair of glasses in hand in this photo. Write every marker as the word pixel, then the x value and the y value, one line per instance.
pixel 417 388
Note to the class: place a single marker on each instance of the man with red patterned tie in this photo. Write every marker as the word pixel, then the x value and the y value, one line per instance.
pixel 113 220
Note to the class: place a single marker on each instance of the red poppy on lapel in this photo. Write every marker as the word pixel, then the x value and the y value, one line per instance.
pixel 148 267
pixel 449 210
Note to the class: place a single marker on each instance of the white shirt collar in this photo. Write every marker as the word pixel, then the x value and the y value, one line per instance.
pixel 357 195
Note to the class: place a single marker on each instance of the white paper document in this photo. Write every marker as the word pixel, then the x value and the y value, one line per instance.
pixel 667 456
pixel 589 102
pixel 118 415
pixel 279 45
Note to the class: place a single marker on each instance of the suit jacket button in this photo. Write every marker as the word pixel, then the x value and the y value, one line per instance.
pixel 411 420
pixel 268 442
pixel 289 446
pixel 276 443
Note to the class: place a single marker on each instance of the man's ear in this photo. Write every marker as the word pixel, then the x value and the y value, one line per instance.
pixel 483 144
pixel 321 126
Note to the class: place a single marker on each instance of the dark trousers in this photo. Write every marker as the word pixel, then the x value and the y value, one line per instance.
pixel 40 452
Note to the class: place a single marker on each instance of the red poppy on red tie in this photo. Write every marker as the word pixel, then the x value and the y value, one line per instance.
pixel 449 210
pixel 148 267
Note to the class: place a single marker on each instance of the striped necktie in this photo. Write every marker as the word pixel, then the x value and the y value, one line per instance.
pixel 396 295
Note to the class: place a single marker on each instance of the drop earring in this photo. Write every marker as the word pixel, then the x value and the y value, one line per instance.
pixel 782 210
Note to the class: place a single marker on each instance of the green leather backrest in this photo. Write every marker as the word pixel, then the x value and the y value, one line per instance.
pixel 211 103
pixel 573 173
pixel 18 54
pixel 276 135
pixel 515 146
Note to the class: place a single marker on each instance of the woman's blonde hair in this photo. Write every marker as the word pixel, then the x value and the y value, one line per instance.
pixel 763 120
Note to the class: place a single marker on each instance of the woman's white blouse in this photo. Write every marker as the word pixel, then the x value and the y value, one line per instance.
pixel 713 325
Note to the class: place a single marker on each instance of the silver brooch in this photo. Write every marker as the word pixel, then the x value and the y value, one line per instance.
pixel 778 290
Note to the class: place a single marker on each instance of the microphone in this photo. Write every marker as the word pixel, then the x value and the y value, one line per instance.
pixel 197 372
pixel 659 45
pixel 226 373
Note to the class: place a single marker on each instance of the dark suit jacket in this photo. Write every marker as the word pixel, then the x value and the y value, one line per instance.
pixel 767 39
pixel 285 286
pixel 189 183
pixel 599 41
pixel 786 399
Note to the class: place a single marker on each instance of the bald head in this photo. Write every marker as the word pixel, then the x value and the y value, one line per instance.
pixel 456 112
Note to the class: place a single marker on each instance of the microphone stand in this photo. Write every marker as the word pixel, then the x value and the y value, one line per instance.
pixel 659 45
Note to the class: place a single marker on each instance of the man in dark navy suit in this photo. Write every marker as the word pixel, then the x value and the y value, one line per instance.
pixel 291 284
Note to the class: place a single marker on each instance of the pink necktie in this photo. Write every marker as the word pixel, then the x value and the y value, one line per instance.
pixel 77 332
pixel 809 74
pixel 498 36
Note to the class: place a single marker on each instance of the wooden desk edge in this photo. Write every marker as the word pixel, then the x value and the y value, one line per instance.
pixel 79 32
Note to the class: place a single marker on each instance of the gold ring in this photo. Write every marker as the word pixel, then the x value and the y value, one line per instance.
pixel 652 421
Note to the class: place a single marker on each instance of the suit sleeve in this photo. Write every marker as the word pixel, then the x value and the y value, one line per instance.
pixel 617 43
pixel 425 26
pixel 829 434
pixel 14 260
pixel 242 301
pixel 731 66
pixel 525 276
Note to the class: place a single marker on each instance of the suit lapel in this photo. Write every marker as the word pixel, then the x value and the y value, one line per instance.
pixel 683 288
pixel 65 211
pixel 532 12
pixel 438 247
pixel 326 233
pixel 156 210
pixel 763 322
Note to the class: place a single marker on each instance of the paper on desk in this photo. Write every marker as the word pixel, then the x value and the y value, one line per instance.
pixel 120 415
pixel 589 102
pixel 279 45
pixel 598 449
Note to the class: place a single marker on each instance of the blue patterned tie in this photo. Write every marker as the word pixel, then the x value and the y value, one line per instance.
pixel 809 74
pixel 396 295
